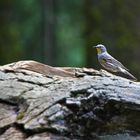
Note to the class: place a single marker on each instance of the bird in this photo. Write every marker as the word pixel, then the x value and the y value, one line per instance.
pixel 110 63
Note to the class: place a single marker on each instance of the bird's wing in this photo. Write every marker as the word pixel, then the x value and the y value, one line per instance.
pixel 108 58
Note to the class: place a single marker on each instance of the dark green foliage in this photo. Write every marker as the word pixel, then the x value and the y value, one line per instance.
pixel 70 42
pixel 19 30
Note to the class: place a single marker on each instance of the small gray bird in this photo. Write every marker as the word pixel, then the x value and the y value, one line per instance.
pixel 110 63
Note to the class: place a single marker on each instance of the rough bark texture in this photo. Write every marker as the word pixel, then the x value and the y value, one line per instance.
pixel 66 104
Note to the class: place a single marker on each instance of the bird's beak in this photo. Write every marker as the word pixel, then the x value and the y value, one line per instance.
pixel 94 46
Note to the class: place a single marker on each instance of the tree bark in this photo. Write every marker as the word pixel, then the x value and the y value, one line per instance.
pixel 38 101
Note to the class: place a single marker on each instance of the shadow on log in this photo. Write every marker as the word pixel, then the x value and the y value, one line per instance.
pixel 38 101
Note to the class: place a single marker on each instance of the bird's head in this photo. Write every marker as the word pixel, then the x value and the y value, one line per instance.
pixel 100 48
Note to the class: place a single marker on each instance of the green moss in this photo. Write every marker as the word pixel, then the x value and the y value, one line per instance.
pixel 20 115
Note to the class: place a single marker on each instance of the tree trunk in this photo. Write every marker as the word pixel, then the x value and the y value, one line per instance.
pixel 48 24
pixel 43 102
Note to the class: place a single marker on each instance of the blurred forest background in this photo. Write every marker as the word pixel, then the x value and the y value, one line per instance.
pixel 62 32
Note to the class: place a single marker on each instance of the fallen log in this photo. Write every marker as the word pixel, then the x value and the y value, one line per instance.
pixel 38 101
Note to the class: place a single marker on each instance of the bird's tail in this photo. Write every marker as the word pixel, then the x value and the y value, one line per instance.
pixel 130 75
